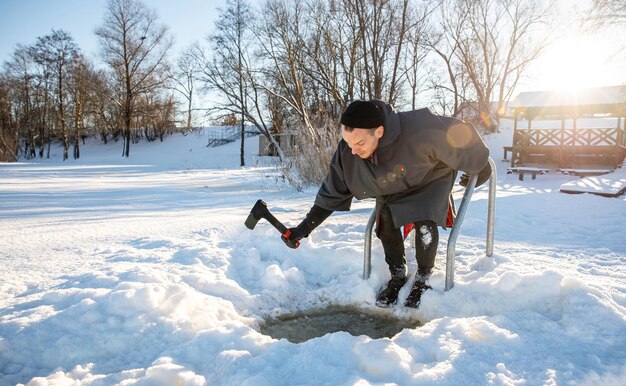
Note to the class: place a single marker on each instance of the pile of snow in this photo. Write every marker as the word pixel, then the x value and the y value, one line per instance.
pixel 610 184
pixel 140 271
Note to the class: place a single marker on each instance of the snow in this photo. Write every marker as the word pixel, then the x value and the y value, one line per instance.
pixel 589 96
pixel 427 237
pixel 610 184
pixel 140 271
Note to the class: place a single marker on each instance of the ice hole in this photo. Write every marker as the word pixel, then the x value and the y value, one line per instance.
pixel 299 327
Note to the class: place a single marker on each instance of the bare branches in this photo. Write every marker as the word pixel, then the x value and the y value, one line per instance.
pixel 488 45
pixel 185 74
pixel 288 66
pixel 607 12
pixel 57 50
pixel 134 45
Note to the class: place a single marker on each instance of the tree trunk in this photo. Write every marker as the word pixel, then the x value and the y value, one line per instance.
pixel 243 139
pixel 189 112
pixel 127 119
pixel 33 143
pixel 44 119
pixel 77 146
pixel 77 123
pixel 62 117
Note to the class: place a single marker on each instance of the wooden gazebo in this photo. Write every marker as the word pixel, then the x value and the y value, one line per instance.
pixel 574 146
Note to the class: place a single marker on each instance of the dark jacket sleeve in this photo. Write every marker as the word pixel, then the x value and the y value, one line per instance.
pixel 460 147
pixel 313 219
pixel 334 193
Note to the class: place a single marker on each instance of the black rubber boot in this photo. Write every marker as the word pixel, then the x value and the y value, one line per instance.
pixel 388 295
pixel 420 285
pixel 414 298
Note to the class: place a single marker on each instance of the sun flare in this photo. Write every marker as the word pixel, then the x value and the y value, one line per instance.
pixel 575 63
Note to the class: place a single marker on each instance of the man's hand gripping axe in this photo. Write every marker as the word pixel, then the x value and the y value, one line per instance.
pixel 259 211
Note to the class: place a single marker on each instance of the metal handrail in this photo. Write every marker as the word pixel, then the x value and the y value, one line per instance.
pixel 456 228
pixel 367 256
pixel 491 209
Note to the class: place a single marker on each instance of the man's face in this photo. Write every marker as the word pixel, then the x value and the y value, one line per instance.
pixel 363 142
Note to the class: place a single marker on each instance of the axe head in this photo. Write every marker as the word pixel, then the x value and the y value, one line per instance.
pixel 258 212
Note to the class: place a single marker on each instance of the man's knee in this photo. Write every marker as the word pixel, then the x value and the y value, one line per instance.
pixel 426 245
pixel 427 234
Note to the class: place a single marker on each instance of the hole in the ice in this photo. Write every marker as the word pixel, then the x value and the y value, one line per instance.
pixel 301 326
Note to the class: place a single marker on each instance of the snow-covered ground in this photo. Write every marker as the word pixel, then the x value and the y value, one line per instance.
pixel 140 271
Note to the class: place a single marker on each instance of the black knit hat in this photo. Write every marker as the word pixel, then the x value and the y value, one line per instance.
pixel 363 115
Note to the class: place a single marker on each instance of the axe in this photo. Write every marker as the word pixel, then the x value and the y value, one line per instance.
pixel 259 211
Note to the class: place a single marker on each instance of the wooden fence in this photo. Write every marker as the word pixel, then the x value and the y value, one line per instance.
pixel 571 147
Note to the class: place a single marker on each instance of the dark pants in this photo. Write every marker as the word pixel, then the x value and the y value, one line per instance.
pixel 425 244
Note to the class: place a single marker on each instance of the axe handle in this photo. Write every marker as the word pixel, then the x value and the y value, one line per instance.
pixel 260 211
pixel 276 224
pixel 287 234
pixel 279 225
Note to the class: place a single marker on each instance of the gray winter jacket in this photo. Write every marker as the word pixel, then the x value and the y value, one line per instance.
pixel 412 170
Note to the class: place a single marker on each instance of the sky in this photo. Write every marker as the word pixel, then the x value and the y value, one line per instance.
pixel 577 59
pixel 22 21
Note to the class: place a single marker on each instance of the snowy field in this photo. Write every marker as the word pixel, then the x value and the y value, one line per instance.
pixel 140 271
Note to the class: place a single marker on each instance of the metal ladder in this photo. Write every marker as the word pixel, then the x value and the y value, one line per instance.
pixel 454 233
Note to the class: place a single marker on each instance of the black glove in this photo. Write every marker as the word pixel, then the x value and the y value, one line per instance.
pixel 315 217
pixel 295 235
pixel 483 176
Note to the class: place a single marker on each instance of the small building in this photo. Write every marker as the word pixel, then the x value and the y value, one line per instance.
pixel 562 128
pixel 470 112
pixel 285 140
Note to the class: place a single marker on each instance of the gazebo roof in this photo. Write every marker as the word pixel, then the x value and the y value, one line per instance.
pixel 598 100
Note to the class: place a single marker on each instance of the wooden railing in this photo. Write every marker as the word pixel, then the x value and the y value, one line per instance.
pixel 568 147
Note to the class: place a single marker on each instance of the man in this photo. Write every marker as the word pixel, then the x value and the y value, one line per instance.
pixel 408 161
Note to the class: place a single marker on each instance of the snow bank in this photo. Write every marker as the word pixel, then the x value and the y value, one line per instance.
pixel 140 271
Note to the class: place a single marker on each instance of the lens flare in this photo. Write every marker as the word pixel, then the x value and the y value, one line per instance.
pixel 459 135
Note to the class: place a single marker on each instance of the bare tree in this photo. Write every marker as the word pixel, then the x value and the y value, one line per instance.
pixel 382 28
pixel 156 115
pixel 229 70
pixel 8 132
pixel 281 33
pixel 416 52
pixel 489 44
pixel 106 111
pixel 58 50
pixel 608 16
pixel 20 73
pixel 319 55
pixel 611 12
pixel 186 72
pixel 524 46
pixel 134 44
pixel 83 86
pixel 43 94
pixel 232 45
pixel 444 40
